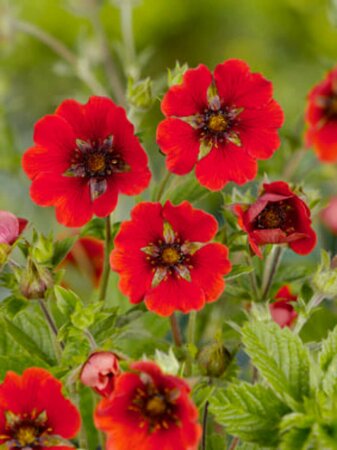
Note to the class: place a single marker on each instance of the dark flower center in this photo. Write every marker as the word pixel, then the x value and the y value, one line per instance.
pixel 26 435
pixel 217 123
pixel 26 432
pixel 276 215
pixel 170 254
pixel 96 161
pixel 331 106
pixel 155 406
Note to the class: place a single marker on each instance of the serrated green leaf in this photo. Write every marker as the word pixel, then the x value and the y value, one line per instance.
pixel 328 350
pixel 296 438
pixel 238 270
pixel 61 249
pixel 329 381
pixel 280 357
pixel 251 412
pixel 66 300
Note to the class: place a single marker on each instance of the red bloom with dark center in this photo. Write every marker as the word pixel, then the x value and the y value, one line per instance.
pixel 100 371
pixel 282 311
pixel 321 118
pixel 164 257
pixel 220 124
pixel 87 255
pixel 34 414
pixel 149 411
pixel 277 217
pixel 84 156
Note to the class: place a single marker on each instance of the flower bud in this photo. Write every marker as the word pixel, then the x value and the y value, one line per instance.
pixel 214 359
pixel 140 93
pixel 175 76
pixel 35 280
pixel 325 277
pixel 99 372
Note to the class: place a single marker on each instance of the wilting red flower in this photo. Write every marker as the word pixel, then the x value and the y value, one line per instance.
pixel 281 310
pixel 329 215
pixel 221 124
pixel 87 255
pixel 278 216
pixel 10 227
pixel 34 414
pixel 99 372
pixel 84 156
pixel 321 118
pixel 149 411
pixel 164 257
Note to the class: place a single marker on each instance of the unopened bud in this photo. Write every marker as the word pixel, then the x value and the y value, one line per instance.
pixel 99 372
pixel 214 359
pixel 140 93
pixel 175 76
pixel 35 280
pixel 325 277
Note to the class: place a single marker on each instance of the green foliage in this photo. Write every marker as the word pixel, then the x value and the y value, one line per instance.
pixel 252 412
pixel 280 357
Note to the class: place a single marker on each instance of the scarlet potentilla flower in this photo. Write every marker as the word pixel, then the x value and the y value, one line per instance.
pixel 100 371
pixel 164 256
pixel 149 410
pixel 278 216
pixel 282 311
pixel 220 124
pixel 34 413
pixel 83 157
pixel 87 255
pixel 329 215
pixel 321 118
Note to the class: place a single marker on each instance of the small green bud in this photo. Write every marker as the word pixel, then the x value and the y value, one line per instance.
pixel 35 280
pixel 325 277
pixel 139 93
pixel 175 76
pixel 42 249
pixel 214 359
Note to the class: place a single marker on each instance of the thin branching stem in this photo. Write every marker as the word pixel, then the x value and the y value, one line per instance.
pixel 107 270
pixel 175 330
pixel 271 269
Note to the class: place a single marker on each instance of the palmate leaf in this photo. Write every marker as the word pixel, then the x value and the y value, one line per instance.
pixel 251 412
pixel 280 357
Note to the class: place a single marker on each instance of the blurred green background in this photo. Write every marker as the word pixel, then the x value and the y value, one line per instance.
pixel 292 42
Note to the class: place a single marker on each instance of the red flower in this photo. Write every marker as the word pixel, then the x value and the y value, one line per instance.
pixel 100 371
pixel 84 156
pixel 321 118
pixel 149 411
pixel 221 124
pixel 329 215
pixel 164 257
pixel 282 311
pixel 34 414
pixel 87 255
pixel 10 227
pixel 278 216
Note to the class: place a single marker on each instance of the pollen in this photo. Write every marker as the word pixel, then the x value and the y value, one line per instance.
pixel 217 123
pixel 26 435
pixel 170 256
pixel 96 162
pixel 156 406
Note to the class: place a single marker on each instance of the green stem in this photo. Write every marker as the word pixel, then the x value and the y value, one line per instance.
pixel 252 278
pixel 107 270
pixel 204 427
pixel 234 443
pixel 52 325
pixel 175 330
pixel 162 186
pixel 192 320
pixel 91 339
pixel 271 269
pixel 128 39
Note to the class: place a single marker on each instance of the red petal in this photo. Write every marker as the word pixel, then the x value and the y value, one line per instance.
pixel 278 187
pixel 284 293
pixel 172 295
pixel 224 164
pixel 306 245
pixel 190 97
pixel 53 132
pixel 258 130
pixel 324 141
pixel 38 160
pixel 193 225
pixel 46 190
pixel 210 276
pixel 180 142
pixel 107 202
pixel 237 86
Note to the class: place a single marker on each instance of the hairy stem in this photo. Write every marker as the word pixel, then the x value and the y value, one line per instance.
pixel 175 330
pixel 192 320
pixel 163 186
pixel 271 269
pixel 59 346
pixel 82 70
pixel 252 278
pixel 234 443
pixel 107 270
